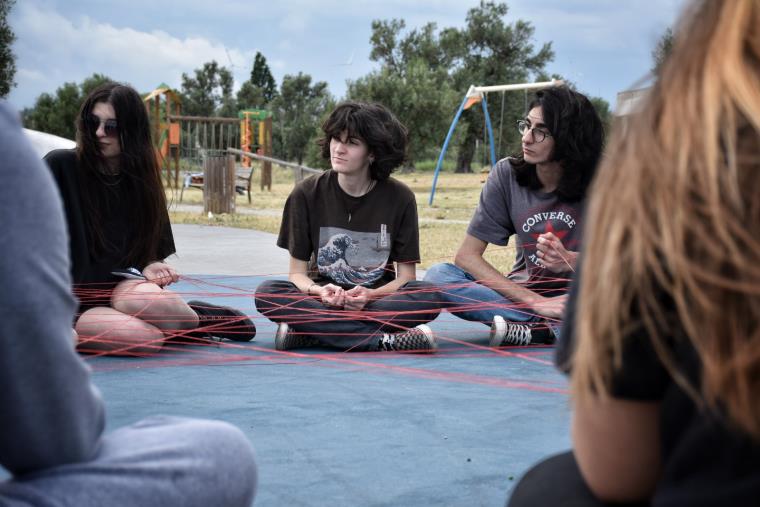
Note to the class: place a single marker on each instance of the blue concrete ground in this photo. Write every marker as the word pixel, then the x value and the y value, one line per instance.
pixel 457 428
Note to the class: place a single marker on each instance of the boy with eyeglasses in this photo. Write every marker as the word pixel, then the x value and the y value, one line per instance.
pixel 537 197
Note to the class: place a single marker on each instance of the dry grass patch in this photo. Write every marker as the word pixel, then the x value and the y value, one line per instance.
pixel 455 199
pixel 255 222
pixel 439 243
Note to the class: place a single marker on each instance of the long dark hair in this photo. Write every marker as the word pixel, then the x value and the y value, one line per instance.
pixel 386 136
pixel 578 137
pixel 138 170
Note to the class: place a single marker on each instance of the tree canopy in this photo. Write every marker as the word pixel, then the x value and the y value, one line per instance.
pixel 7 58
pixel 260 88
pixel 424 73
pixel 298 111
pixel 662 50
pixel 421 75
pixel 208 92
pixel 56 114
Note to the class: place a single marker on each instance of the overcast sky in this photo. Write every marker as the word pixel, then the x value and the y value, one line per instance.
pixel 604 46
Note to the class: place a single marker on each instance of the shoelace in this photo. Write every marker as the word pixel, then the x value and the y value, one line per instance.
pixel 411 339
pixel 387 342
pixel 518 334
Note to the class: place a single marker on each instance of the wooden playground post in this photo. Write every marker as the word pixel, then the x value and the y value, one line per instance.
pixel 265 141
pixel 163 134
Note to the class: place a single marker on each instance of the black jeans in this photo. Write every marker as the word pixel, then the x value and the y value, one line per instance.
pixel 413 304
pixel 557 481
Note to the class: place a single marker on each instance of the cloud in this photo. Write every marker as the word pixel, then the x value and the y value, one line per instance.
pixel 71 50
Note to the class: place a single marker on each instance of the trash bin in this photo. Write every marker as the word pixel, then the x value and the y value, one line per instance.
pixel 219 184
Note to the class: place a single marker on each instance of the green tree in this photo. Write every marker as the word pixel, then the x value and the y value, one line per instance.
pixel 603 109
pixel 7 58
pixel 600 104
pixel 56 114
pixel 261 88
pixel 418 97
pixel 496 52
pixel 298 111
pixel 209 92
pixel 662 50
pixel 413 80
pixel 487 51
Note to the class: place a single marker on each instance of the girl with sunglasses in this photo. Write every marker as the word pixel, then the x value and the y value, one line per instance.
pixel 115 207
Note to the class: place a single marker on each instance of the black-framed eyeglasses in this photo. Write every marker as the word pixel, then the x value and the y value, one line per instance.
pixel 110 127
pixel 538 133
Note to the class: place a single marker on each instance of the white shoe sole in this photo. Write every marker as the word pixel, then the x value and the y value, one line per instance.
pixel 429 333
pixel 498 331
pixel 280 336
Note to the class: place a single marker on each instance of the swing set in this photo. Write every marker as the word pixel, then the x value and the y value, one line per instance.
pixel 478 94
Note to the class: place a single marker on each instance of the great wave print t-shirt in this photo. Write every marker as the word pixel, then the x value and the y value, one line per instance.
pixel 350 240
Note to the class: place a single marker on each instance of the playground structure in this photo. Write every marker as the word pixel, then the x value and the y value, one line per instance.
pixel 162 103
pixel 478 94
pixel 193 139
pixel 264 119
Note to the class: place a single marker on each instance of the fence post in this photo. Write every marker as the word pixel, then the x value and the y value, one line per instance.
pixel 219 184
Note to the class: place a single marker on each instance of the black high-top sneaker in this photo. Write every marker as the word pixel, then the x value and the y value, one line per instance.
pixel 285 339
pixel 504 334
pixel 417 339
pixel 223 322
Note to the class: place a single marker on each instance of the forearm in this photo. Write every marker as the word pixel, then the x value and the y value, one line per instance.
pixel 389 288
pixel 52 412
pixel 303 282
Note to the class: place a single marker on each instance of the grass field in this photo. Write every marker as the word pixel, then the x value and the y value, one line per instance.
pixel 440 228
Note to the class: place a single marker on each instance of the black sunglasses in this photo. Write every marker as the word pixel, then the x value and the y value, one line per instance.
pixel 110 127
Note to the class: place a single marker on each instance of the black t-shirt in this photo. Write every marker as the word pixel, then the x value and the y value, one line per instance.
pixel 87 267
pixel 349 240
pixel 706 461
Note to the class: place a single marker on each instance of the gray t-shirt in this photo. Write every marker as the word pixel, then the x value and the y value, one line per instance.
pixel 506 209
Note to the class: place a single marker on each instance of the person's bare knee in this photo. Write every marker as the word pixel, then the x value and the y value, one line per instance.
pixel 151 303
pixel 133 297
pixel 107 330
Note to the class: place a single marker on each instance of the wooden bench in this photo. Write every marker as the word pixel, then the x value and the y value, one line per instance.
pixel 244 178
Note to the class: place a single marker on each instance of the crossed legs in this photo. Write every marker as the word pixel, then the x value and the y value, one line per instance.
pixel 159 461
pixel 141 316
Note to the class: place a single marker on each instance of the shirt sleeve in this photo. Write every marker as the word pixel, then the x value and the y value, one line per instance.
pixel 641 377
pixel 491 222
pixel 52 414
pixel 166 245
pixel 295 229
pixel 406 245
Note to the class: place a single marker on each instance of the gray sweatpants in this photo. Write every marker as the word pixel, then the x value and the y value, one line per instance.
pixel 159 461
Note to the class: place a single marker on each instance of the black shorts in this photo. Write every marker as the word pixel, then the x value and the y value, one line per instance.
pixel 93 295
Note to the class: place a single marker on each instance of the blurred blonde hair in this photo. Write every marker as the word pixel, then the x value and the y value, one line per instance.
pixel 674 216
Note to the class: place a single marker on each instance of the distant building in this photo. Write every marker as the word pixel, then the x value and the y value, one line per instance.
pixel 630 101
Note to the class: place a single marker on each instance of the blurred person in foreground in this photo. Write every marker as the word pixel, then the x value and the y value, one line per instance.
pixel 663 342
pixel 51 432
